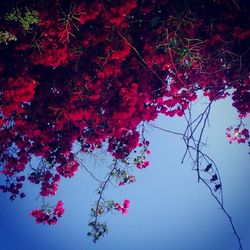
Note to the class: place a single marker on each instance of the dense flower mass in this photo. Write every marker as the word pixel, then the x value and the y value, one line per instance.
pixel 92 72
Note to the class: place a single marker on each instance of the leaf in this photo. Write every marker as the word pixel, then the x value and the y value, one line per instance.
pixel 114 173
pixel 217 186
pixel 110 204
pixel 208 167
pixel 92 224
pixel 214 178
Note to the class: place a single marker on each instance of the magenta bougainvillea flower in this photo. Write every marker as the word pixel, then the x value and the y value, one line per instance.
pixel 122 207
pixel 48 215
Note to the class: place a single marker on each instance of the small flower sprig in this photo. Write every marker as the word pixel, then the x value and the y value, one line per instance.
pixel 103 206
pixel 48 214
pixel 239 134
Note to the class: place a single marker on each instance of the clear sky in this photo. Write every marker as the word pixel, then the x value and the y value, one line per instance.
pixel 169 209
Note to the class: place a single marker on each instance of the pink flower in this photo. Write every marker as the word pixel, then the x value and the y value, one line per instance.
pixel 126 203
pixel 141 165
pixel 122 208
pixel 146 164
pixel 59 210
pixel 237 135
pixel 47 215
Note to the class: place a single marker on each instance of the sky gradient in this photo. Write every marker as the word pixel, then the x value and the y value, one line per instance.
pixel 169 209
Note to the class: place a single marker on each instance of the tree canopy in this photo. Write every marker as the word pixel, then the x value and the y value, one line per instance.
pixel 95 72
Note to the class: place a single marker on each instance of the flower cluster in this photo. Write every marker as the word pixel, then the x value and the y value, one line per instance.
pixel 122 207
pixel 17 92
pixel 127 179
pixel 122 176
pixel 49 182
pixel 69 169
pixel 13 187
pixel 237 135
pixel 48 215
pixel 140 159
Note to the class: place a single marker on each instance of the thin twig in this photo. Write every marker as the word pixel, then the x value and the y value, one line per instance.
pixel 103 186
pixel 87 170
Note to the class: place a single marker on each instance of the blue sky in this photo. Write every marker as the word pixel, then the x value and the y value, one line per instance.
pixel 169 209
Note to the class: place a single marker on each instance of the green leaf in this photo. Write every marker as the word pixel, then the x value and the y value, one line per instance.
pixel 6 37
pixel 110 204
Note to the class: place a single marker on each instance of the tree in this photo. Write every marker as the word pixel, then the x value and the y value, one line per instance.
pixel 79 76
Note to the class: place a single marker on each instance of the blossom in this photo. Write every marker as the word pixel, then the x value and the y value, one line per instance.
pixel 122 208
pixel 59 210
pixel 127 179
pixel 237 135
pixel 47 215
pixel 68 170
